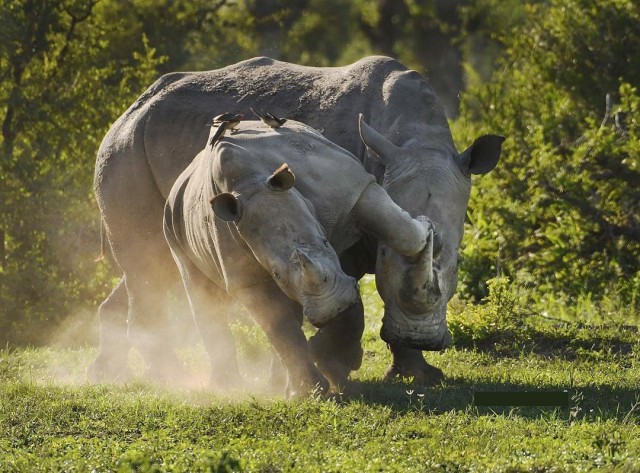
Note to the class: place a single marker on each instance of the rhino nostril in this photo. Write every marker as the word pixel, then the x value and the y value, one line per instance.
pixel 437 243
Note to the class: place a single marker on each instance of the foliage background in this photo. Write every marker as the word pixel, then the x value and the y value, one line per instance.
pixel 559 79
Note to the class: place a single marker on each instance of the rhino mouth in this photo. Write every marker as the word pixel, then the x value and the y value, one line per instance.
pixel 420 331
pixel 320 309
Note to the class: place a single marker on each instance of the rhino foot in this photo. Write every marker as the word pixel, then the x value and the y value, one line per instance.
pixel 304 390
pixel 427 376
pixel 337 369
pixel 227 380
pixel 277 381
pixel 410 363
pixel 108 370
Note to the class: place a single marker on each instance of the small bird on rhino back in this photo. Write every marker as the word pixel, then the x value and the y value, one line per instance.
pixel 223 122
pixel 270 119
pixel 232 119
pixel 219 133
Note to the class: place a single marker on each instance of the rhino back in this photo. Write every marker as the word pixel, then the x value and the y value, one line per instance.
pixel 167 125
pixel 175 110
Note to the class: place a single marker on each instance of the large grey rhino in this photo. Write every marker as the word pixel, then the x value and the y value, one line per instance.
pixel 407 146
pixel 269 238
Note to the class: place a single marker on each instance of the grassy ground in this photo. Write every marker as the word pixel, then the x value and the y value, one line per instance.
pixel 50 420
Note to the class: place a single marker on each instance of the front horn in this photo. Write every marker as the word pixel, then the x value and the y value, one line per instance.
pixel 420 289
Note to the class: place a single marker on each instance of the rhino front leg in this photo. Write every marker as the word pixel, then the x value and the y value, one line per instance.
pixel 410 363
pixel 281 320
pixel 336 347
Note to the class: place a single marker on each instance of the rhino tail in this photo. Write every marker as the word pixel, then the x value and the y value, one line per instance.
pixel 103 238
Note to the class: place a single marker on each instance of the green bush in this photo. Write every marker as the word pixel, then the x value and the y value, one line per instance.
pixel 562 205
pixel 499 319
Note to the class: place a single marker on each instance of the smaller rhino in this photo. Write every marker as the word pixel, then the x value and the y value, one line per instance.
pixel 264 241
pixel 238 229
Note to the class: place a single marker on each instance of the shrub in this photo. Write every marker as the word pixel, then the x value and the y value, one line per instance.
pixel 562 205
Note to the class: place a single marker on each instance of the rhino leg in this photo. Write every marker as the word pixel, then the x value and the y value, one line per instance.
pixel 281 320
pixel 336 347
pixel 111 362
pixel 148 318
pixel 149 276
pixel 209 306
pixel 277 382
pixel 410 363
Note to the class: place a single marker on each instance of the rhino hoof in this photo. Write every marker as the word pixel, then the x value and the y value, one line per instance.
pixel 304 391
pixel 425 376
pixel 103 371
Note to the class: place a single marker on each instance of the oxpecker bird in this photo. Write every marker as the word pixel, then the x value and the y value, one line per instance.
pixel 219 133
pixel 232 120
pixel 269 119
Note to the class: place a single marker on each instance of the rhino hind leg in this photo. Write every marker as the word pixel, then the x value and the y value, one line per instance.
pixel 110 364
pixel 336 347
pixel 150 277
pixel 410 363
pixel 148 318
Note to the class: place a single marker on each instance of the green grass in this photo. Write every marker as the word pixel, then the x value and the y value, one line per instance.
pixel 50 420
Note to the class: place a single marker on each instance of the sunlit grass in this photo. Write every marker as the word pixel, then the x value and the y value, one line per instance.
pixel 52 420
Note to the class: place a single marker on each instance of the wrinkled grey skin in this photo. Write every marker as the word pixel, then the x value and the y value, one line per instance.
pixel 409 149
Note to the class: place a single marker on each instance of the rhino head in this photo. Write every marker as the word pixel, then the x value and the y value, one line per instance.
pixel 432 182
pixel 280 228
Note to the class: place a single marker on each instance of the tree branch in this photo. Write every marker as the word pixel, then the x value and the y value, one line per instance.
pixel 619 170
pixel 630 231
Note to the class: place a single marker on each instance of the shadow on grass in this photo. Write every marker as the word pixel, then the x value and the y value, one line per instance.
pixel 569 343
pixel 597 402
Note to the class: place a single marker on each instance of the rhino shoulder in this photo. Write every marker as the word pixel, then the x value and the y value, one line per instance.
pixel 377 67
pixel 259 61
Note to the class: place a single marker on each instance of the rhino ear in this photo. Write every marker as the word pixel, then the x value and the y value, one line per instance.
pixel 483 155
pixel 383 149
pixel 227 207
pixel 282 179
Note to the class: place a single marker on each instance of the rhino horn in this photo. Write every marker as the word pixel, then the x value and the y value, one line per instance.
pixel 384 149
pixel 420 285
pixel 312 272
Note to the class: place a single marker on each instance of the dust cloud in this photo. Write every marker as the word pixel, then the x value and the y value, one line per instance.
pixel 73 346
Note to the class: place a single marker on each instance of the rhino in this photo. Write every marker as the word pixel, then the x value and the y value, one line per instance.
pixel 269 238
pixel 405 143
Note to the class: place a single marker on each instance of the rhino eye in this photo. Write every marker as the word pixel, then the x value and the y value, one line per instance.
pixel 326 243
pixel 276 275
